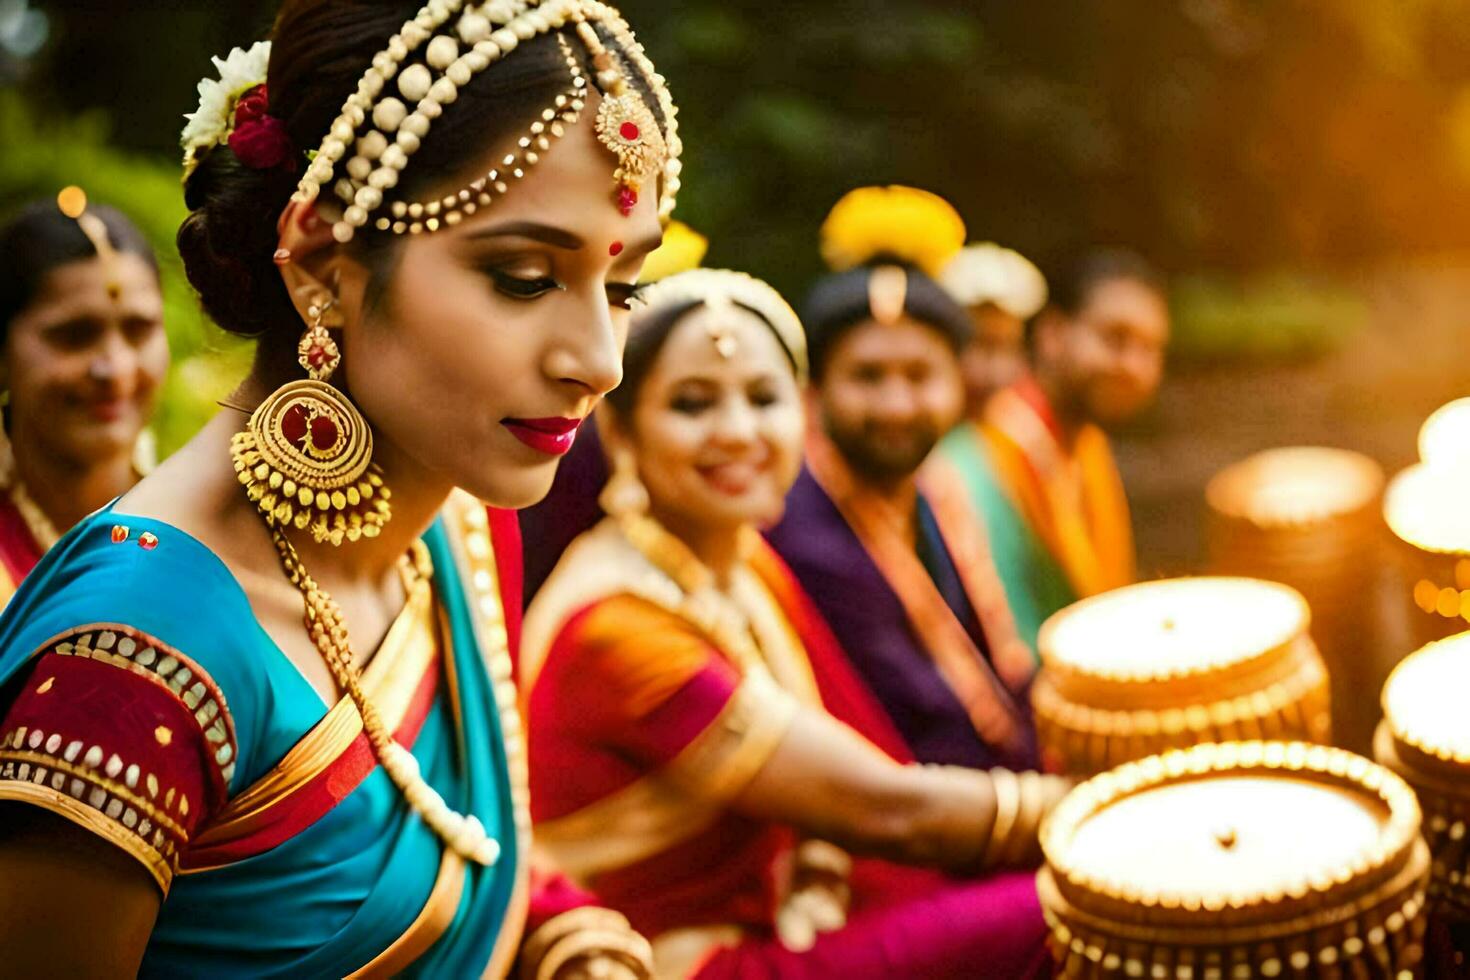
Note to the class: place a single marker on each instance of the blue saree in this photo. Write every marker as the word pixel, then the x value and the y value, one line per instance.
pixel 281 848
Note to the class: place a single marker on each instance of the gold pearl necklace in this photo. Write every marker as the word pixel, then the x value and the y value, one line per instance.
pixel 463 833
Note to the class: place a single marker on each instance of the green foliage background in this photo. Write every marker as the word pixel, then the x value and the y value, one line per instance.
pixel 1261 151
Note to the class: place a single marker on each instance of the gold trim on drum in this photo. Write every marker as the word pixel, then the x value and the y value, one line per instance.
pixel 1316 926
pixel 1424 738
pixel 1091 717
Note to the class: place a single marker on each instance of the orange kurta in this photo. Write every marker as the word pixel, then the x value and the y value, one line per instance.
pixel 1070 494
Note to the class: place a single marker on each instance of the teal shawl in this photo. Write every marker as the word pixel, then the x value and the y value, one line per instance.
pixel 1034 583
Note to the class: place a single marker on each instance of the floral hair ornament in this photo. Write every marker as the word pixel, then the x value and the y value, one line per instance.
pixel 420 72
pixel 234 111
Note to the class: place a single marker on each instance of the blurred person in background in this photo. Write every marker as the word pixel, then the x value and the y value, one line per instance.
pixel 85 352
pixel 1001 290
pixel 1097 358
pixel 901 570
pixel 702 755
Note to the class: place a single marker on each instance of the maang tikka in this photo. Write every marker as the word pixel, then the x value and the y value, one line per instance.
pixel 305 458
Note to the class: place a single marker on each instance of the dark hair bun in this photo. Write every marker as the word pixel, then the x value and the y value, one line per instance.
pixel 229 239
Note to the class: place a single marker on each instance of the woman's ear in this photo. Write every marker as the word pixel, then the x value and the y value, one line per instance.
pixel 315 268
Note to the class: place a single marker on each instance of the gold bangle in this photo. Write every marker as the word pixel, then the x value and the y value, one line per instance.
pixel 1028 820
pixel 819 855
pixel 1007 807
pixel 558 927
pixel 627 946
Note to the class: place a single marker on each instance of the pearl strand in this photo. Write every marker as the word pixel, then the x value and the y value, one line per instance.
pixel 464 834
pixel 491 30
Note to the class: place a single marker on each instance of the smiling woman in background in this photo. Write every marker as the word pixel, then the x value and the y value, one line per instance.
pixel 702 755
pixel 84 354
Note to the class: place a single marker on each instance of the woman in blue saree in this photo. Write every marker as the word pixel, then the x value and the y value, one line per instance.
pixel 212 768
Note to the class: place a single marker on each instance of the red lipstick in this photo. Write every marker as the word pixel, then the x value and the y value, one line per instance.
pixel 553 436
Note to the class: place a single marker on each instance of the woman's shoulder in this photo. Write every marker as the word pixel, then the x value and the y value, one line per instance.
pixel 120 583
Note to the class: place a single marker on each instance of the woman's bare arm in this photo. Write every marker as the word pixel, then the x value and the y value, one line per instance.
pixel 71 904
pixel 830 782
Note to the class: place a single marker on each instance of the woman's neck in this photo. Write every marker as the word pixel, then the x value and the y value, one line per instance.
pixel 65 490
pixel 717 546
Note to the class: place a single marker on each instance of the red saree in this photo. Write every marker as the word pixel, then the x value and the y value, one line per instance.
pixel 643 729
pixel 19 549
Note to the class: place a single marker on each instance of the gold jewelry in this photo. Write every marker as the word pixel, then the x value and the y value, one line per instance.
pixel 1007 809
pixel 624 124
pixel 718 288
pixel 305 458
pixel 458 40
pixel 464 834
pixel 43 532
pixel 624 495
pixel 72 202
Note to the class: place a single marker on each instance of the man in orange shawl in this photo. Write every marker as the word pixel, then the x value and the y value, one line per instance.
pixel 1097 359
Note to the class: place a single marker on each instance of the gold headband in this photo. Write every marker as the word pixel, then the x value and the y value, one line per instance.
pixel 490 30
pixel 716 287
pixel 72 202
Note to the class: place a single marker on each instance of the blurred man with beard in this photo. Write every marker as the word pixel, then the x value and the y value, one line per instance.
pixel 1097 353
pixel 903 574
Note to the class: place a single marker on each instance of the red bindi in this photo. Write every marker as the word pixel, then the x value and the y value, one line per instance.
pixel 616 248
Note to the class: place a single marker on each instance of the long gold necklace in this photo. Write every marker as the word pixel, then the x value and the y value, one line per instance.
pixel 462 832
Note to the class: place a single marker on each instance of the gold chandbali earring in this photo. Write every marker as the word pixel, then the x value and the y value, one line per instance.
pixel 305 459
pixel 306 456
pixel 624 496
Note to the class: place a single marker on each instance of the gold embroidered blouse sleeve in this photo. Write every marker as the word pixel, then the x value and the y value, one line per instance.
pixel 123 736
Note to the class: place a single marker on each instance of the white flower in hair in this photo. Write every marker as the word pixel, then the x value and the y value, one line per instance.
pixel 209 125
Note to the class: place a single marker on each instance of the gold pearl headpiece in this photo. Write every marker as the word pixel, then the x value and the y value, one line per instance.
pixel 458 40
pixel 718 288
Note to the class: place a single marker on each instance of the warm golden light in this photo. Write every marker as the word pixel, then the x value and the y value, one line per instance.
pixel 1429 507
pixel 1283 832
pixel 1161 629
pixel 1424 699
pixel 1295 485
pixel 72 201
pixel 1444 439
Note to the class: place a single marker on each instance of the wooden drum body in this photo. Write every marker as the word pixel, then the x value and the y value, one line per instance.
pixel 1175 663
pixel 1425 738
pixel 1309 517
pixel 1240 860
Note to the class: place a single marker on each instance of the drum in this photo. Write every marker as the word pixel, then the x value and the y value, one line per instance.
pixel 1424 507
pixel 1425 738
pixel 1174 663
pixel 1241 860
pixel 1309 517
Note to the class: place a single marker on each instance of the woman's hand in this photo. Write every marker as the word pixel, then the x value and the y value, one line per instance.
pixel 829 782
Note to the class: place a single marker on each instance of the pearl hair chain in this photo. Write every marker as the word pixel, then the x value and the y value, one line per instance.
pixel 452 56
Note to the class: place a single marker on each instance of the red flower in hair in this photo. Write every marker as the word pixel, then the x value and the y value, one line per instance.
pixel 260 140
